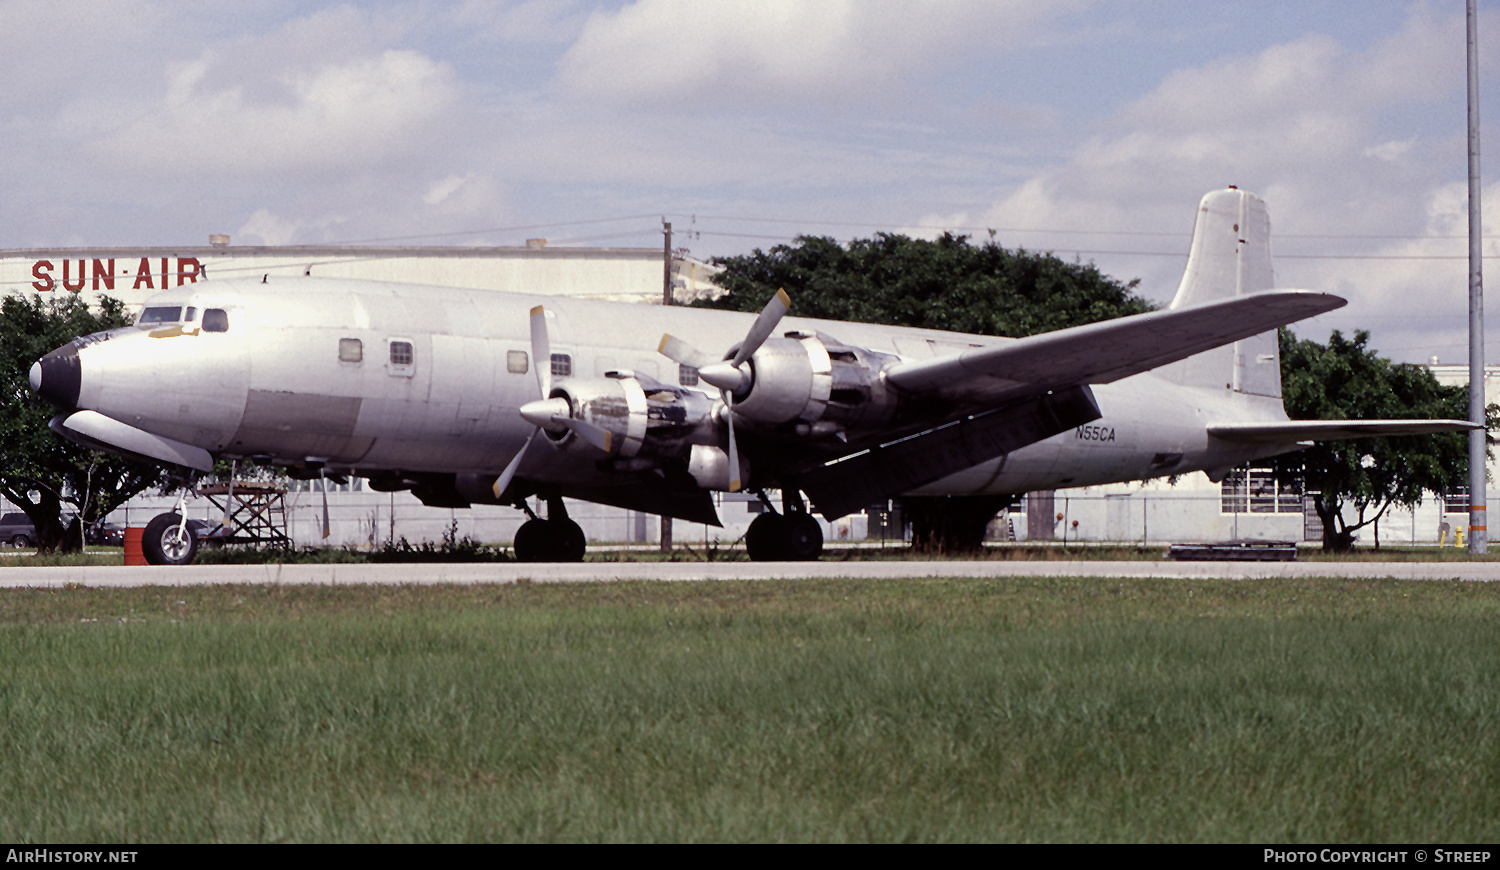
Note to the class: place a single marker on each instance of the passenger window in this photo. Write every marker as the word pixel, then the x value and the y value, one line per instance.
pixel 351 350
pixel 515 362
pixel 215 320
pixel 562 365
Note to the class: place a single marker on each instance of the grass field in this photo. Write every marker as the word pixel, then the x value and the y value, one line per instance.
pixel 916 710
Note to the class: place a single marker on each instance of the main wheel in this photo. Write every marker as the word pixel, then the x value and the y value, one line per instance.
pixel 571 541
pixel 535 542
pixel 804 538
pixel 549 541
pixel 765 540
pixel 167 541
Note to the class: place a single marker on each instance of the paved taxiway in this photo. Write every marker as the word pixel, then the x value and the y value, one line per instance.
pixel 351 574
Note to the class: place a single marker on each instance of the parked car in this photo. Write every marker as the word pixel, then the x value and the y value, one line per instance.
pixel 16 530
pixel 105 534
pixel 208 532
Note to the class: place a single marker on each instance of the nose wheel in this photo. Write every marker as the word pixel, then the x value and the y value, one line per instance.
pixel 169 541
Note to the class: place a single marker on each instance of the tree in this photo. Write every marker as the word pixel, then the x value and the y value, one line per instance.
pixel 40 471
pixel 1345 380
pixel 947 283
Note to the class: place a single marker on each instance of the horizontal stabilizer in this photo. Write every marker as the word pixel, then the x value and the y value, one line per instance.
pixel 1099 353
pixel 1293 431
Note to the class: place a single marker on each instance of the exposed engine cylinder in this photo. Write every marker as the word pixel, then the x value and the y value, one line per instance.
pixel 645 419
pixel 617 405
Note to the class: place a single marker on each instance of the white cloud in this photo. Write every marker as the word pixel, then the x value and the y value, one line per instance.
pixel 1390 152
pixel 1298 123
pixel 265 228
pixel 350 114
pixel 676 51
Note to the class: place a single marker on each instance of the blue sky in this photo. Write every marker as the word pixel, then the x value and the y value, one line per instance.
pixel 1085 127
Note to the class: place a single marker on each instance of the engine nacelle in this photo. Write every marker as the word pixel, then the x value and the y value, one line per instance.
pixel 643 418
pixel 816 382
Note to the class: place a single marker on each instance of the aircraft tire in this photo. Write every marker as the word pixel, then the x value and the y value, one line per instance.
pixel 163 542
pixel 803 540
pixel 550 541
pixel 535 542
pixel 765 540
pixel 571 542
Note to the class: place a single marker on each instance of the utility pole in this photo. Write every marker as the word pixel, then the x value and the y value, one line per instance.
pixel 1479 537
pixel 666 299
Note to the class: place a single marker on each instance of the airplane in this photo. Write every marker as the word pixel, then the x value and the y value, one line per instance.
pixel 470 397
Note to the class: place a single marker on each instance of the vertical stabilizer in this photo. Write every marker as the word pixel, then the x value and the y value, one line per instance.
pixel 1231 256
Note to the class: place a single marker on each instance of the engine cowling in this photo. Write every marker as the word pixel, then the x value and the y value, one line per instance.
pixel 643 419
pixel 815 383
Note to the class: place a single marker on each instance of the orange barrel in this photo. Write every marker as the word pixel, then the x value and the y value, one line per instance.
pixel 134 555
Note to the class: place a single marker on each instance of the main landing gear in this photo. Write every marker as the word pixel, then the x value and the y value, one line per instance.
pixel 790 536
pixel 555 539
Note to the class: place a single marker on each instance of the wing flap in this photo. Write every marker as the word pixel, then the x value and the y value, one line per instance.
pixel 854 482
pixel 1099 353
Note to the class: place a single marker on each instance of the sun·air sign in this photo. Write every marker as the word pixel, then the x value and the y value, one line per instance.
pixel 100 275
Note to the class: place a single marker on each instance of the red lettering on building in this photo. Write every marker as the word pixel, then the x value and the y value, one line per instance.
pixel 70 285
pixel 143 276
pixel 188 270
pixel 40 271
pixel 106 277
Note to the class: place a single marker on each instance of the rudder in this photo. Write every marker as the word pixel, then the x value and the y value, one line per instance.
pixel 1230 256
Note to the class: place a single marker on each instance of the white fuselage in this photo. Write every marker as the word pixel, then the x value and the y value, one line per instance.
pixel 369 378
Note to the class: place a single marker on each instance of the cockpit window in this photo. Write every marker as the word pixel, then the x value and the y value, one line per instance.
pixel 215 320
pixel 163 314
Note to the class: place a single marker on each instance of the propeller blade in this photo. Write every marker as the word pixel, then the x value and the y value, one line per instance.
pixel 682 353
pixel 764 325
pixel 541 351
pixel 323 477
pixel 234 467
pixel 596 435
pixel 502 483
pixel 734 453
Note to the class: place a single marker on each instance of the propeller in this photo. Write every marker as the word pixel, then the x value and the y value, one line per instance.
pixel 730 375
pixel 541 361
pixel 552 414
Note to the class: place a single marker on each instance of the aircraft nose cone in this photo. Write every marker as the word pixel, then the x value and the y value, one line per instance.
pixel 56 378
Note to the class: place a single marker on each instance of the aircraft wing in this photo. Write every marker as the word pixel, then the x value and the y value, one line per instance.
pixel 1099 353
pixel 1293 431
